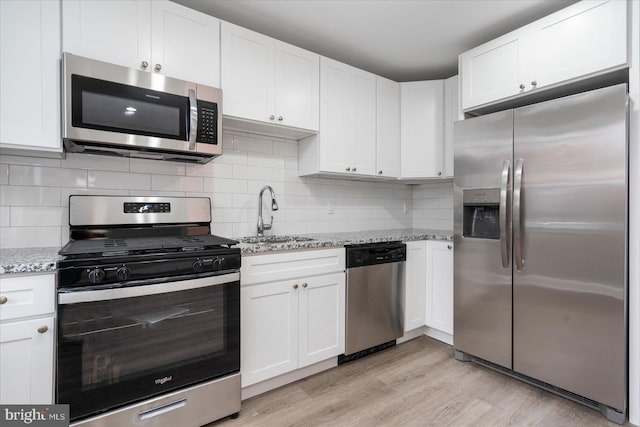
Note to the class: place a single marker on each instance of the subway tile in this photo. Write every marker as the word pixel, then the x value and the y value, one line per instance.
pixel 4 174
pixel 231 157
pixel 157 193
pixel 222 229
pixel 303 214
pixel 176 183
pixel 289 227
pixel 291 163
pixel 29 196
pixel 66 192
pixel 211 170
pixel 49 216
pixel 254 187
pixel 119 180
pixel 29 237
pixel 157 167
pixel 265 160
pixel 224 185
pixel 95 162
pixel 252 172
pixel 46 176
pixel 230 215
pixel 64 235
pixel 253 145
pixel 30 161
pixel 222 200
pixel 250 201
pixel 285 149
pixel 5 216
pixel 244 229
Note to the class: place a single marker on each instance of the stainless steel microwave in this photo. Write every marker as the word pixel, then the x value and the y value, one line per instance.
pixel 109 109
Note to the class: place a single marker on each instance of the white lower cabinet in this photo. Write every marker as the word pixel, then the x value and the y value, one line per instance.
pixel 294 322
pixel 27 339
pixel 415 285
pixel 439 290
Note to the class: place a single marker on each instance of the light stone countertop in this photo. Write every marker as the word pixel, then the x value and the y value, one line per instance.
pixel 40 260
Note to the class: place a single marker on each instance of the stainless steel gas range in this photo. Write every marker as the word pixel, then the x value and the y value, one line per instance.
pixel 148 314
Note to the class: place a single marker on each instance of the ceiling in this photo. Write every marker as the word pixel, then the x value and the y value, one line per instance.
pixel 404 40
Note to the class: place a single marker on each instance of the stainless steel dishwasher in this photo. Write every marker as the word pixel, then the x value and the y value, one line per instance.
pixel 375 290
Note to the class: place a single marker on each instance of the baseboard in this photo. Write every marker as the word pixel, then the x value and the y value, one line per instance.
pixel 409 335
pixel 439 335
pixel 289 377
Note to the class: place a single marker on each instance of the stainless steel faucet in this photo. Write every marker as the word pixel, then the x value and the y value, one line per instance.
pixel 274 207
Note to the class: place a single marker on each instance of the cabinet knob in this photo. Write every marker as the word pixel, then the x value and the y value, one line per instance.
pixel 3 299
pixel 304 285
pixel 348 169
pixel 271 117
pixel 354 169
pixel 534 83
pixel 280 118
pixel 449 247
pixel 42 329
pixel 439 173
pixel 379 172
pixel 295 286
pixel 521 86
pixel 158 67
pixel 144 65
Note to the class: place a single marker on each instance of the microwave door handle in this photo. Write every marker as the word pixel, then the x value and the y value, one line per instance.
pixel 193 119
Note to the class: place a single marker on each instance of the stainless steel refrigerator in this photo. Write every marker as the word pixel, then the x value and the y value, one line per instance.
pixel 540 230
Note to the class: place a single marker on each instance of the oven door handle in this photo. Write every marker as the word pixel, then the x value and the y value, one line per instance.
pixel 79 296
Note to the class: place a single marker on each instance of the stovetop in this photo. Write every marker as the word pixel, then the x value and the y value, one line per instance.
pixel 92 248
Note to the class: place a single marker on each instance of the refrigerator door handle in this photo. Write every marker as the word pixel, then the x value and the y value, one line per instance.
pixel 505 237
pixel 517 215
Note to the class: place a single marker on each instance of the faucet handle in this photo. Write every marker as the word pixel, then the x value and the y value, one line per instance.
pixel 268 226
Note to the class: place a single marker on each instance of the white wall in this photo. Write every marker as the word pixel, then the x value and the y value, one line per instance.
pixel 34 192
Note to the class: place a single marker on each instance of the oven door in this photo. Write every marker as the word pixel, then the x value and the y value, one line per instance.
pixel 123 345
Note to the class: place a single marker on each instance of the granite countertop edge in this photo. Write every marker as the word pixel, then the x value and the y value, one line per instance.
pixel 44 260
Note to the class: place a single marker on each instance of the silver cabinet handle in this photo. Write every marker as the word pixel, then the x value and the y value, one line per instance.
pixel 271 117
pixel 42 329
pixel 144 65
pixel 522 86
pixel 348 169
pixel 449 247
pixel 3 299
pixel 193 119
pixel 280 118
pixel 534 83
pixel 504 218
pixel 354 169
pixel 158 67
pixel 517 214
pixel 439 173
pixel 379 172
pixel 304 285
pixel 295 286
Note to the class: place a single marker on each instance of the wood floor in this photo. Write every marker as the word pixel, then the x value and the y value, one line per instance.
pixel 417 383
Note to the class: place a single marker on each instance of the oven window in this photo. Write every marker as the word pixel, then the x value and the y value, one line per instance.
pixel 115 352
pixel 103 105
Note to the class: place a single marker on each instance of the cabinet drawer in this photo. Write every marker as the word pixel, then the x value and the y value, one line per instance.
pixel 28 295
pixel 289 265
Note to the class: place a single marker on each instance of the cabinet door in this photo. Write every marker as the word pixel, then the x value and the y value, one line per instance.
pixel 452 114
pixel 361 135
pixel 185 43
pixel 493 70
pixel 439 296
pixel 322 318
pixel 26 362
pixel 334 109
pixel 415 285
pixel 387 128
pixel 585 38
pixel 422 129
pixel 30 75
pixel 268 330
pixel 297 91
pixel 248 74
pixel 115 31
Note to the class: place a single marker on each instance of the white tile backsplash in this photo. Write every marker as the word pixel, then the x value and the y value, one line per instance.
pixel 34 192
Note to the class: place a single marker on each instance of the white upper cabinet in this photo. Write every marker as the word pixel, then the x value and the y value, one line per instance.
pixel 422 129
pixel 158 36
pixel 268 81
pixel 346 143
pixel 583 40
pixel 387 128
pixel 30 76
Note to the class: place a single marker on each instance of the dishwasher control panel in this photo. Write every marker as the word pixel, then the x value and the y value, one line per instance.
pixel 375 253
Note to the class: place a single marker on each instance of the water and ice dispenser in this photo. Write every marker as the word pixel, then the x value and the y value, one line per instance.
pixel 481 213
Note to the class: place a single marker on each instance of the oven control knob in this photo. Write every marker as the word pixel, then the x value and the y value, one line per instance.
pixel 122 273
pixel 198 266
pixel 96 275
pixel 217 264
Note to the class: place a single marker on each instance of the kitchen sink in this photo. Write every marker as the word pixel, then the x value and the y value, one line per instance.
pixel 276 239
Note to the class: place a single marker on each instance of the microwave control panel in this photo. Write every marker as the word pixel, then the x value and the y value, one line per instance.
pixel 207 122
